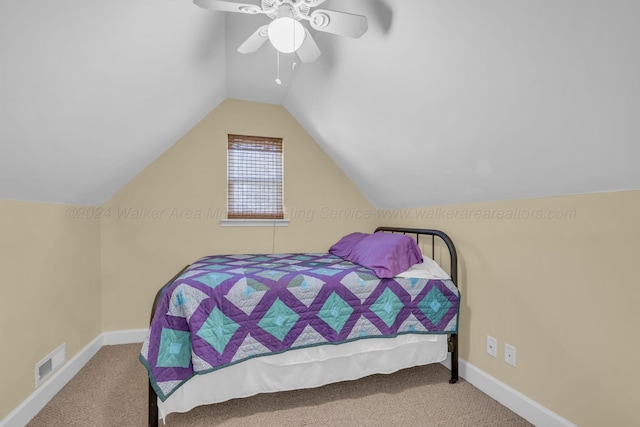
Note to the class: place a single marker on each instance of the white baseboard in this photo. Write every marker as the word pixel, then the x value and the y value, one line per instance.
pixel 509 397
pixel 130 336
pixel 527 408
pixel 33 404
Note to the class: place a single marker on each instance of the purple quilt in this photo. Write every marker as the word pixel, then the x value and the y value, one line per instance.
pixel 226 309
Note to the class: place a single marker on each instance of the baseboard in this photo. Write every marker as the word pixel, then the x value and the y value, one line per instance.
pixel 130 336
pixel 33 404
pixel 522 405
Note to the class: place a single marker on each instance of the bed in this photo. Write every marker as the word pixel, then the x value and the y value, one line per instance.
pixel 232 326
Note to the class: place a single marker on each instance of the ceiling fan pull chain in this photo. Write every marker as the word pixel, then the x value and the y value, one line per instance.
pixel 278 67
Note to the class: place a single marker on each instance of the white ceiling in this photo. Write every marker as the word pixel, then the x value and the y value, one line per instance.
pixel 439 102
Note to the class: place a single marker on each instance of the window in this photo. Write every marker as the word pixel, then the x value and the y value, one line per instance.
pixel 254 178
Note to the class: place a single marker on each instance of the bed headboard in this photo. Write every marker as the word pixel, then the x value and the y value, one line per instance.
pixel 441 235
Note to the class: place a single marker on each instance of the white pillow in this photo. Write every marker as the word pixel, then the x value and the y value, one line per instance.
pixel 429 269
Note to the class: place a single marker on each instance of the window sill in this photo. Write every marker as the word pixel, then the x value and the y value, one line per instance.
pixel 254 222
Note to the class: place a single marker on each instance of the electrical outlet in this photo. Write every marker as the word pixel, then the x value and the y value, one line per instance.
pixel 492 346
pixel 510 354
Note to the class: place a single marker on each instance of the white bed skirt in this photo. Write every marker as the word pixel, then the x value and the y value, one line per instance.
pixel 307 368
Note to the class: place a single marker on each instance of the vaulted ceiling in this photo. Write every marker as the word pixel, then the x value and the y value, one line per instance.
pixel 440 102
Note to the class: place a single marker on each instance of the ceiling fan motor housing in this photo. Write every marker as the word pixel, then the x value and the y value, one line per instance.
pixel 298 8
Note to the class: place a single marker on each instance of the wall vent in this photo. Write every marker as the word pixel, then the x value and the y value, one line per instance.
pixel 47 366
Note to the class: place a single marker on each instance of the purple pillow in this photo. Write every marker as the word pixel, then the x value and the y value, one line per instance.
pixel 386 254
pixel 342 247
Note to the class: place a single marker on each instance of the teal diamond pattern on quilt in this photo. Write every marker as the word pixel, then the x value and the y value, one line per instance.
pixel 271 266
pixel 335 312
pixel 212 267
pixel 279 320
pixel 243 270
pixel 294 267
pixel 387 307
pixel 175 349
pixel 261 259
pixel 217 330
pixel 271 275
pixel 215 260
pixel 434 305
pixel 213 279
pixel 326 271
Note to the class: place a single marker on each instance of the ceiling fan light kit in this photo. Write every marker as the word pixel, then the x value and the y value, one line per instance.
pixel 286 32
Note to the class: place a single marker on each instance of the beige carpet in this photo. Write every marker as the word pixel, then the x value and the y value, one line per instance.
pixel 111 390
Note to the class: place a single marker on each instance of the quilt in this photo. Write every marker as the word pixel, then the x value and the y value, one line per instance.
pixel 226 309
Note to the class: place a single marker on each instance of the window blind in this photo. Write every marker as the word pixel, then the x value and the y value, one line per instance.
pixel 254 177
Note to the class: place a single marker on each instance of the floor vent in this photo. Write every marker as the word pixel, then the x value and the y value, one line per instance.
pixel 47 366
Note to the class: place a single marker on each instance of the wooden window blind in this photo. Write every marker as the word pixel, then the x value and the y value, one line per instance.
pixel 254 177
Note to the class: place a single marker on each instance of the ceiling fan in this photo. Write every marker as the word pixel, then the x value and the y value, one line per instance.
pixel 286 33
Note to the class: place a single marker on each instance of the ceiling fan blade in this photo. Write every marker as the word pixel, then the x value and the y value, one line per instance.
pixel 255 40
pixel 228 6
pixel 340 23
pixel 309 50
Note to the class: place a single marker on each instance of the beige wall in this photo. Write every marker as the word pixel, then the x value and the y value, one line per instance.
pixel 556 278
pixel 49 259
pixel 170 213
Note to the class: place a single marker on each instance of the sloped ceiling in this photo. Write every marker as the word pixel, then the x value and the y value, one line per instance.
pixel 93 91
pixel 440 102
